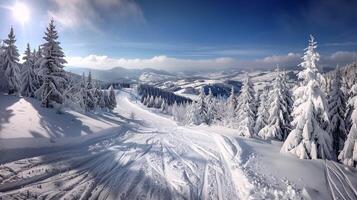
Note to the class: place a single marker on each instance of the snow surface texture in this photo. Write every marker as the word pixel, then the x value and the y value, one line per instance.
pixel 151 157
pixel 25 124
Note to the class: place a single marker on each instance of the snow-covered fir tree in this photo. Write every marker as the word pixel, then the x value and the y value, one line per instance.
pixel 197 111
pixel 164 106
pixel 212 115
pixel 348 155
pixel 179 112
pixel 262 113
pixel 277 126
pixel 99 97
pixel 349 107
pixel 3 81
pixel 112 99
pixel 231 106
pixel 51 71
pixel 309 139
pixel 73 94
pixel 337 106
pixel 83 93
pixel 28 77
pixel 246 109
pixel 36 79
pixel 287 98
pixel 10 64
pixel 90 97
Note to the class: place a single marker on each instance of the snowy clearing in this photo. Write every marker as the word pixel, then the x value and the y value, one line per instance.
pixel 151 157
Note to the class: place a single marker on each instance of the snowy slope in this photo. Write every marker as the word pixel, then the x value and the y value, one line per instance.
pixel 25 124
pixel 154 158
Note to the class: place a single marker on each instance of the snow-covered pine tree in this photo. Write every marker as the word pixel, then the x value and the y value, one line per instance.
pixel 150 101
pixel 211 116
pixel 83 93
pixel 91 99
pixel 112 98
pixel 145 100
pixel 231 106
pixel 197 111
pixel 98 96
pixel 180 113
pixel 38 56
pixel 90 81
pixel 101 101
pixel 51 65
pixel 308 139
pixel 163 106
pixel 36 79
pixel 3 81
pixel 350 94
pixel 246 109
pixel 278 122
pixel 175 111
pixel 263 113
pixel 287 98
pixel 337 106
pixel 106 99
pixel 221 112
pixel 28 75
pixel 348 155
pixel 11 64
pixel 72 95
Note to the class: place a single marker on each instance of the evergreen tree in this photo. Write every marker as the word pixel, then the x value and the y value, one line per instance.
pixel 98 96
pixel 348 155
pixel 287 98
pixel 112 99
pixel 198 110
pixel 11 64
pixel 231 110
pixel 309 139
pixel 278 122
pixel 90 81
pixel 3 81
pixel 246 109
pixel 36 79
pixel 211 116
pixel 337 106
pixel 28 75
pixel 164 106
pixel 73 94
pixel 91 99
pixel 53 76
pixel 263 113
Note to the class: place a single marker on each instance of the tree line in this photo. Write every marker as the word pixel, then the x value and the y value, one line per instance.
pixel 42 76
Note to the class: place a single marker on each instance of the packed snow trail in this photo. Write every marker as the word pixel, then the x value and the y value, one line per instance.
pixel 154 159
pixel 151 157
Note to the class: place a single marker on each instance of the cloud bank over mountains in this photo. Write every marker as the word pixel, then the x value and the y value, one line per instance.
pixel 182 64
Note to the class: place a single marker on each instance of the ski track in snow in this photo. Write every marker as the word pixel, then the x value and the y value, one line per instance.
pixel 153 159
pixel 339 183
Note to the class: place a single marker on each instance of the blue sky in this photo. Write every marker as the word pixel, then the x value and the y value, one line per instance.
pixel 190 34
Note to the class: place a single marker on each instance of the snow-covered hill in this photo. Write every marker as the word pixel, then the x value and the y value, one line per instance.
pixel 24 124
pixel 151 157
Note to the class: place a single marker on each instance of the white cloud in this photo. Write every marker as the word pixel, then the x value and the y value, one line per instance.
pixel 340 58
pixel 287 60
pixel 73 13
pixel 157 62
pixel 177 64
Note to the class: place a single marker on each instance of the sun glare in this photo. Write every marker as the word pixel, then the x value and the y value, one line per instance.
pixel 21 12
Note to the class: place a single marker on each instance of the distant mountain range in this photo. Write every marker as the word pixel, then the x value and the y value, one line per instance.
pixel 121 73
pixel 118 74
